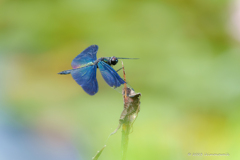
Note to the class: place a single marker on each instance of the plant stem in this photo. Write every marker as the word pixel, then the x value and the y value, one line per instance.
pixel 125 132
pixel 129 114
pixel 126 124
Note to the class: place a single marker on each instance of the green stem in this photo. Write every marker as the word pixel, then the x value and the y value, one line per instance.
pixel 125 132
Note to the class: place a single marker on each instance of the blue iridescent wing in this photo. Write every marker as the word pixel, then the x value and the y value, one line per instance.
pixel 110 75
pixel 86 78
pixel 86 56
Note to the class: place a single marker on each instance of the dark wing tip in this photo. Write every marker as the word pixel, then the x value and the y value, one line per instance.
pixel 95 47
pixel 92 94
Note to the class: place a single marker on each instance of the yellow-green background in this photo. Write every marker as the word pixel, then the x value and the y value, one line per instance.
pixel 188 74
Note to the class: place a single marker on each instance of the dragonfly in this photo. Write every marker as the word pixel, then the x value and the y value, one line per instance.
pixel 85 69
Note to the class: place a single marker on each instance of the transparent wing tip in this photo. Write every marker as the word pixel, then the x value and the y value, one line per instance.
pixel 121 90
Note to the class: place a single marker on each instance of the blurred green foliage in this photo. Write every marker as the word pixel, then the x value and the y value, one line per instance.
pixel 188 73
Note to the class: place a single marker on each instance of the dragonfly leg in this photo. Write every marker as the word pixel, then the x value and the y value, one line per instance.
pixel 119 69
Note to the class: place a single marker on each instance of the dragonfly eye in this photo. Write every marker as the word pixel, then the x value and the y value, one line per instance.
pixel 114 60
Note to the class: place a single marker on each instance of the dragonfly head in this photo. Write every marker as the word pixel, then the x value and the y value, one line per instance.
pixel 114 60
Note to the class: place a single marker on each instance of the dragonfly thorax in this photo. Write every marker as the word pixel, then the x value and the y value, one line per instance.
pixel 109 60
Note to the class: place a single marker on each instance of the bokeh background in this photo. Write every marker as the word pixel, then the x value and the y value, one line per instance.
pixel 188 74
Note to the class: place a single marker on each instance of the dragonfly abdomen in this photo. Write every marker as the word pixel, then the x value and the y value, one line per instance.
pixel 65 72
